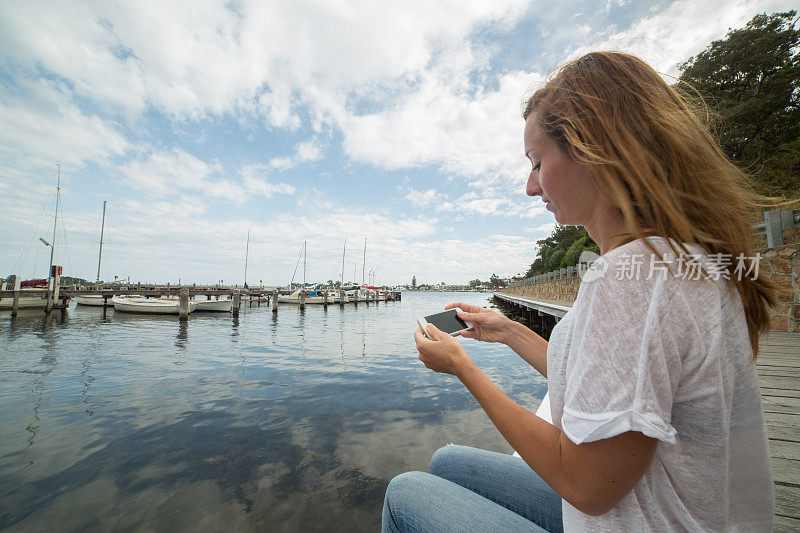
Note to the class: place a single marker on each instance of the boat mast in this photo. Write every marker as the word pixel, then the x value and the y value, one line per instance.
pixel 364 262
pixel 305 255
pixel 246 255
pixel 343 251
pixel 100 255
pixel 55 222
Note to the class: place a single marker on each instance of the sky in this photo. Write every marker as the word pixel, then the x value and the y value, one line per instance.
pixel 296 121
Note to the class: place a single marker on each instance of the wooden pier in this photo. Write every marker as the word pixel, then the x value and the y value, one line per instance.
pixel 778 366
pixel 779 376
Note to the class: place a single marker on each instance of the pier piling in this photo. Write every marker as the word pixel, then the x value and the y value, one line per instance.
pixel 341 297
pixel 15 305
pixel 237 301
pixel 274 300
pixel 303 299
pixel 183 304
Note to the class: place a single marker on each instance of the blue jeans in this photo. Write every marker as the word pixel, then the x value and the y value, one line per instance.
pixel 469 489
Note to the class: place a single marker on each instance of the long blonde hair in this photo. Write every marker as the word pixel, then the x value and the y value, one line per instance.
pixel 651 154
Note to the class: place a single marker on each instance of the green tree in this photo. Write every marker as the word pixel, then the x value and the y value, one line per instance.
pixel 560 249
pixel 413 282
pixel 496 281
pixel 751 80
pixel 474 283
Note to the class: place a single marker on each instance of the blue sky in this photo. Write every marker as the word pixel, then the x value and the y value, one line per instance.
pixel 298 121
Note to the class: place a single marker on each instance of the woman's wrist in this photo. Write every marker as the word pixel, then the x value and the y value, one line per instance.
pixel 512 333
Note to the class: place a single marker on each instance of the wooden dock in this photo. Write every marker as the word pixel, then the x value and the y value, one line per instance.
pixel 779 376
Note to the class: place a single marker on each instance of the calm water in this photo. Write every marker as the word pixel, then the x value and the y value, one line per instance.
pixel 289 422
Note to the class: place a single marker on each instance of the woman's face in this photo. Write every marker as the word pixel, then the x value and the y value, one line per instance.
pixel 565 186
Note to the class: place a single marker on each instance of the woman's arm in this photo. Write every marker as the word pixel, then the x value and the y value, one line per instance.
pixel 489 326
pixel 593 477
pixel 528 345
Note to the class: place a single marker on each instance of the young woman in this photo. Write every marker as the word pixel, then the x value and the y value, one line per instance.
pixel 657 419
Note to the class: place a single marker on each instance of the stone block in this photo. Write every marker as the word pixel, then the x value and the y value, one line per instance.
pixel 782 265
pixel 788 252
pixel 770 254
pixel 795 314
pixel 785 284
pixel 779 323
pixel 782 308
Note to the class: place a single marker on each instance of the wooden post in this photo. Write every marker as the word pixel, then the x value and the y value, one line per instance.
pixel 325 298
pixel 16 296
pixel 183 304
pixel 274 300
pixel 341 297
pixel 303 298
pixel 237 301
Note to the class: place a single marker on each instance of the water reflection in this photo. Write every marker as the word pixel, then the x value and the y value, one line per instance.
pixel 183 335
pixel 265 425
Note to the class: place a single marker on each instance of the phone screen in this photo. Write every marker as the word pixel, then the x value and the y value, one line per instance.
pixel 447 321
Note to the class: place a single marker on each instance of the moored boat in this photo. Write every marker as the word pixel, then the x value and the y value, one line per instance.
pixel 150 306
pixel 217 306
pixel 312 297
pixel 95 300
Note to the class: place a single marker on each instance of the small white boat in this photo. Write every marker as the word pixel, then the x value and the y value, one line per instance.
pixel 312 297
pixel 218 306
pixel 151 306
pixel 95 300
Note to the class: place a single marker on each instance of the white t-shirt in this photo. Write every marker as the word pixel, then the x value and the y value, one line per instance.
pixel 670 358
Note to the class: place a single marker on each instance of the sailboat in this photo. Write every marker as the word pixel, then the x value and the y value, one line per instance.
pixel 313 295
pixel 96 300
pixel 38 301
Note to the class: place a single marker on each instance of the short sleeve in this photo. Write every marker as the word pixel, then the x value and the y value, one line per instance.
pixel 624 363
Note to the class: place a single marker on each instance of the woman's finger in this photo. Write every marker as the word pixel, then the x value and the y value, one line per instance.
pixel 475 318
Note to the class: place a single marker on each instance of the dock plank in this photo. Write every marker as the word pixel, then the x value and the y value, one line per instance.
pixel 780 404
pixel 785 524
pixel 779 377
pixel 786 501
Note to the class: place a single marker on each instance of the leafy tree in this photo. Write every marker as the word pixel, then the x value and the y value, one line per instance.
pixel 413 282
pixel 561 249
pixel 496 281
pixel 474 283
pixel 751 80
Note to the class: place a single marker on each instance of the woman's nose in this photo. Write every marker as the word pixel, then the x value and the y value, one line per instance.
pixel 532 188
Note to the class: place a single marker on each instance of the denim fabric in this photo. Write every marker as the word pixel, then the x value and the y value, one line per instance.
pixel 469 489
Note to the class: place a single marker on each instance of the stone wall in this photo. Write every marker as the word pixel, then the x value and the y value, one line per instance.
pixel 784 267
pixel 564 289
pixel 782 263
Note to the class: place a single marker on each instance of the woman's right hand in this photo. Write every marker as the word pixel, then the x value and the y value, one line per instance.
pixel 487 325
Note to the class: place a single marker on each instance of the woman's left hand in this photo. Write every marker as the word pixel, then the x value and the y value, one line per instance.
pixel 442 354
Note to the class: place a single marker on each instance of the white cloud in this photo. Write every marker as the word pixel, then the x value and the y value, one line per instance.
pixel 40 124
pixel 421 198
pixel 544 228
pixel 163 172
pixel 255 183
pixel 304 152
